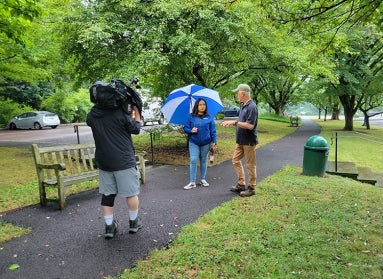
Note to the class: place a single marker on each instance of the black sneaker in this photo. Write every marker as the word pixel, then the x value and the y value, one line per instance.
pixel 248 192
pixel 110 230
pixel 238 188
pixel 134 226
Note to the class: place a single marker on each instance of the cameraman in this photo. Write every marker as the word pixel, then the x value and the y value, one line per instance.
pixel 115 157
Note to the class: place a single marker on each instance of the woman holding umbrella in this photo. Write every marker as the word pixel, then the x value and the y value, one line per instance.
pixel 202 137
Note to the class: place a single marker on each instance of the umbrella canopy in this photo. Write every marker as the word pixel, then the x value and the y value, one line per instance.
pixel 180 102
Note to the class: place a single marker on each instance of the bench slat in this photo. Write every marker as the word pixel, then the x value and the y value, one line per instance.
pixel 65 165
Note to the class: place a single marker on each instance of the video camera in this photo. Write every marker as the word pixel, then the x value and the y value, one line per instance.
pixel 116 94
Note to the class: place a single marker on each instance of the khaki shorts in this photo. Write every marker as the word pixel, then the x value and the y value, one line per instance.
pixel 125 183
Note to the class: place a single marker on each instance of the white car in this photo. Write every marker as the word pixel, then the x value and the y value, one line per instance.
pixel 152 113
pixel 34 120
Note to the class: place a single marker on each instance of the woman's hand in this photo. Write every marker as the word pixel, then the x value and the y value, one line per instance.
pixel 214 147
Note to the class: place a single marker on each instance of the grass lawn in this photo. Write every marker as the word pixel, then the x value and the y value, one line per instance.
pixel 360 146
pixel 294 227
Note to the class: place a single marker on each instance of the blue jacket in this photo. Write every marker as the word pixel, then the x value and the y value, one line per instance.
pixel 206 129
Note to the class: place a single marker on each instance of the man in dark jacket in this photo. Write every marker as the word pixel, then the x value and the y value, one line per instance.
pixel 115 158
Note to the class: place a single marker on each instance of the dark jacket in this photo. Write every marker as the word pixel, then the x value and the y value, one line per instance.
pixel 206 129
pixel 112 130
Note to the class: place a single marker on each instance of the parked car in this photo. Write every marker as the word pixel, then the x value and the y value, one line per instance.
pixel 152 113
pixel 34 120
pixel 230 111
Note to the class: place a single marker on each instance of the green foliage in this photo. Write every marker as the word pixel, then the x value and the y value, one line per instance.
pixel 70 107
pixel 18 50
pixel 9 109
pixel 25 93
pixel 15 16
pixel 220 116
pixel 172 43
pixel 321 17
pixel 276 47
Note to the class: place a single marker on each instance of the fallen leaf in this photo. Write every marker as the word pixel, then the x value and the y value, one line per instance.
pixel 13 267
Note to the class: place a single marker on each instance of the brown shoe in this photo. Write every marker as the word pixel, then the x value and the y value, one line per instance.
pixel 238 188
pixel 248 192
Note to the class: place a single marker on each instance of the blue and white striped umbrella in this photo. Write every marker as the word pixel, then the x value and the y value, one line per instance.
pixel 180 102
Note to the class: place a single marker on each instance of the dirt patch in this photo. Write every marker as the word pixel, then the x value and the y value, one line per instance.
pixel 178 155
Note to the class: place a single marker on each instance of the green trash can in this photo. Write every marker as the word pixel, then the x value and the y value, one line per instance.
pixel 315 156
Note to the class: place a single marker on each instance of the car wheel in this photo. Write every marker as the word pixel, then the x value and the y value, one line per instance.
pixel 37 126
pixel 161 120
pixel 12 126
pixel 143 121
pixel 54 127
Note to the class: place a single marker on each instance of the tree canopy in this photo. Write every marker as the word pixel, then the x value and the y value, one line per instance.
pixel 288 51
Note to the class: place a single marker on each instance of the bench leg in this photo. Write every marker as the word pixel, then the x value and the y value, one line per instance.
pixel 61 196
pixel 43 195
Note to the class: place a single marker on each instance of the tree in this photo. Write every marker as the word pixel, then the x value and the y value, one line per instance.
pixel 26 93
pixel 335 26
pixel 370 102
pixel 276 90
pixel 321 16
pixel 171 43
pixel 16 19
pixel 359 66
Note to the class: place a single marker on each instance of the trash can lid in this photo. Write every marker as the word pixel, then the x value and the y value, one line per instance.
pixel 317 142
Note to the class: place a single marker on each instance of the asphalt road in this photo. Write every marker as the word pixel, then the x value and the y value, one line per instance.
pixel 64 134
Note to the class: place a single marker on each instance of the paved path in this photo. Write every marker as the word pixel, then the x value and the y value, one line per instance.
pixel 69 243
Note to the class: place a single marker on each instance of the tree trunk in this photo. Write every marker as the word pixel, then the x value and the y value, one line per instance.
pixel 348 121
pixel 278 110
pixel 335 112
pixel 350 108
pixel 367 120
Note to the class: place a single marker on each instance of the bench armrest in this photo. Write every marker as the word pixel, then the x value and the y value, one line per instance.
pixel 56 166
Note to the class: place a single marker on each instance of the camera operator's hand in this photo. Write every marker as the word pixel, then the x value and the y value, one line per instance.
pixel 136 114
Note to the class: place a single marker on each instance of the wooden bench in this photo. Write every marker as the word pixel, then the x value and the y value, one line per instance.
pixel 294 121
pixel 65 165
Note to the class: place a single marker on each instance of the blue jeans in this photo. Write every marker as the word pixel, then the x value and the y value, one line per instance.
pixel 198 153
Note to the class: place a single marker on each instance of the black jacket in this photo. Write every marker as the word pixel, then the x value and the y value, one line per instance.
pixel 112 132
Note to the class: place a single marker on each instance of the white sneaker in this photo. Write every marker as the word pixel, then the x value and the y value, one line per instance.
pixel 191 185
pixel 204 183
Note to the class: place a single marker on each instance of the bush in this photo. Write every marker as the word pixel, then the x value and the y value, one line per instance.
pixel 9 109
pixel 220 116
